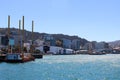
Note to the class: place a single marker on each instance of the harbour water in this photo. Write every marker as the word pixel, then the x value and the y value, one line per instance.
pixel 64 67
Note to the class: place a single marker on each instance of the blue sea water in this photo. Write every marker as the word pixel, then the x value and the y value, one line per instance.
pixel 64 67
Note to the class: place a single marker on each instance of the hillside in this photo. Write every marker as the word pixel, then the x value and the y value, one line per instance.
pixel 37 35
pixel 115 43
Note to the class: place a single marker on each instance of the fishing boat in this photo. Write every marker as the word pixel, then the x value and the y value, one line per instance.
pixel 18 58
pixel 14 57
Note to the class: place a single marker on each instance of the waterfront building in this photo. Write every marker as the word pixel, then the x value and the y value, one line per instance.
pixel 11 41
pixel 101 45
pixel 18 39
pixel 66 43
pixel 76 44
pixel 96 45
pixel 49 39
pixel 4 40
pixel 69 51
pixel 88 46
pixel 39 42
pixel 52 49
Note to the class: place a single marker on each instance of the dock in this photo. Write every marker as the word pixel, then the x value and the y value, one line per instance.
pixel 37 55
pixel 2 57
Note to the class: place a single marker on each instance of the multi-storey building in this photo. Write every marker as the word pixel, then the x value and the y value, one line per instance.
pixel 67 43
pixel 49 39
pixel 76 44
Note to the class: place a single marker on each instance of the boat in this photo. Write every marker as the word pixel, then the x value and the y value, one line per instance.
pixel 13 58
pixel 20 55
pixel 18 58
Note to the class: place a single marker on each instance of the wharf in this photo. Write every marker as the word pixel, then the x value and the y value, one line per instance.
pixel 37 55
pixel 2 57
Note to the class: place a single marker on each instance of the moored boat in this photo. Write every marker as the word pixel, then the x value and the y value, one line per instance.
pixel 18 58
pixel 13 58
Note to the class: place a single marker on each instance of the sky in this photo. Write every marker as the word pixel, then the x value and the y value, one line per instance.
pixel 94 20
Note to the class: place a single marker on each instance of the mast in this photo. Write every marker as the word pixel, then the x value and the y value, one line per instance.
pixel 19 32
pixel 32 31
pixel 32 35
pixel 8 34
pixel 23 34
pixel 8 25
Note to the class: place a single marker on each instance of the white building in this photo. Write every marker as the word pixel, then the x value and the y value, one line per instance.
pixel 39 42
pixel 56 50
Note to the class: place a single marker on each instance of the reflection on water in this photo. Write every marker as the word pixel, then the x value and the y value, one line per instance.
pixel 65 67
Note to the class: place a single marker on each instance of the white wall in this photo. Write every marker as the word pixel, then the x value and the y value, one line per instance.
pixel 56 50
